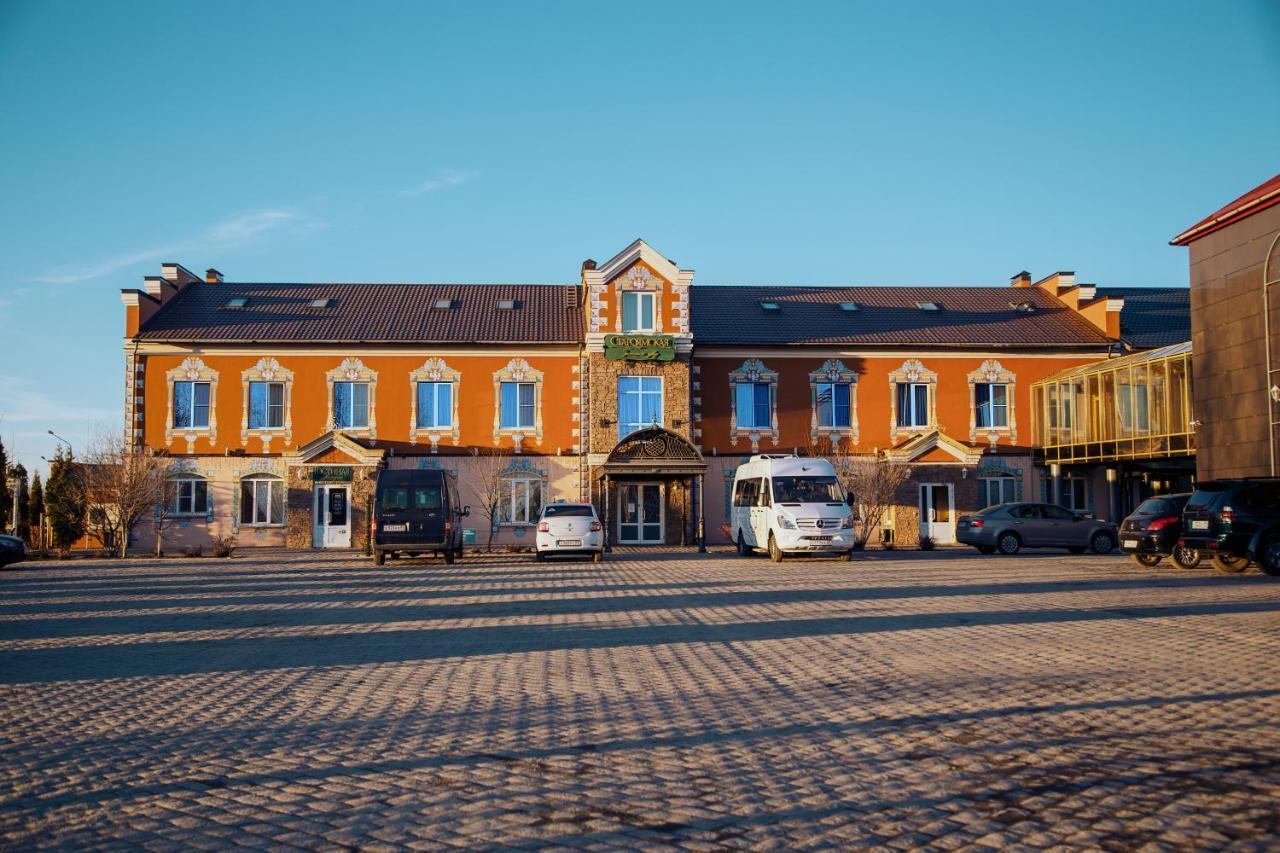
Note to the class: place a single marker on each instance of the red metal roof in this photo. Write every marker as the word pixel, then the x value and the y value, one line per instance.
pixel 1259 198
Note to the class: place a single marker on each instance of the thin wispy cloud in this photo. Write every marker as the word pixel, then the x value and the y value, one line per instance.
pixel 230 233
pixel 445 179
pixel 24 400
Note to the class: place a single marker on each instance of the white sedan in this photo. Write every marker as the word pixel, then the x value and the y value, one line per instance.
pixel 565 528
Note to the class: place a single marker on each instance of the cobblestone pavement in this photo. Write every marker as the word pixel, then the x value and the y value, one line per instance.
pixel 903 700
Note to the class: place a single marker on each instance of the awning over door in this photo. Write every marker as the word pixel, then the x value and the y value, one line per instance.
pixel 654 451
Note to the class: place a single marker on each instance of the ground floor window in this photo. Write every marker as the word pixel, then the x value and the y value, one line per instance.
pixel 998 490
pixel 261 500
pixel 190 496
pixel 522 501
pixel 1075 493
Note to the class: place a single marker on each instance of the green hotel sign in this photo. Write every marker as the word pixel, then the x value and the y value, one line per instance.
pixel 639 348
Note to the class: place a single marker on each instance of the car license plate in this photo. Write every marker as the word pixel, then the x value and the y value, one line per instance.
pixel 1199 524
pixel 564 543
pixel 1129 543
pixel 395 528
pixel 819 538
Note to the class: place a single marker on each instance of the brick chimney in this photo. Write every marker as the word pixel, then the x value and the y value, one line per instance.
pixel 212 276
pixel 1101 311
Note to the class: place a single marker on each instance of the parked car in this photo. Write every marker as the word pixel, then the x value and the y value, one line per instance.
pixel 12 550
pixel 1152 532
pixel 1008 528
pixel 790 504
pixel 416 511
pixel 567 529
pixel 1236 521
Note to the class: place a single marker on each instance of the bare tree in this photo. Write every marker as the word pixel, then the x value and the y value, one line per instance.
pixel 492 487
pixel 122 486
pixel 871 479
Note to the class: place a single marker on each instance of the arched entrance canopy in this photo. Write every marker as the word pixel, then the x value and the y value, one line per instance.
pixel 654 451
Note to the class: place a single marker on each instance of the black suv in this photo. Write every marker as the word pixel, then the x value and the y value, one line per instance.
pixel 1236 521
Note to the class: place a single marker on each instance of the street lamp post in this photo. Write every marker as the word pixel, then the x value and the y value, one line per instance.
pixel 64 441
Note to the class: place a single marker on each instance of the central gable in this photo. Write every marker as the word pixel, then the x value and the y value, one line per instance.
pixel 637 268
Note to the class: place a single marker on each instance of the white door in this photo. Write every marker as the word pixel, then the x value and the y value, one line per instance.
pixel 640 522
pixel 937 520
pixel 331 517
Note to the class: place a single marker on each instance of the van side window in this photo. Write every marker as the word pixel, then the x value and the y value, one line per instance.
pixel 426 497
pixel 766 497
pixel 745 492
pixel 393 499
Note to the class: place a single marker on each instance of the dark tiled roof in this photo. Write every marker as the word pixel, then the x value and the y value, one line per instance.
pixel 970 316
pixel 369 312
pixel 1153 316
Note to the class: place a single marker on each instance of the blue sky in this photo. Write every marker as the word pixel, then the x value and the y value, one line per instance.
pixel 810 143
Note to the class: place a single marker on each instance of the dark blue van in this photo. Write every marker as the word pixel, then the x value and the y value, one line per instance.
pixel 417 512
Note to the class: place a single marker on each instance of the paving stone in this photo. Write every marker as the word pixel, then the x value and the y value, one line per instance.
pixel 660 701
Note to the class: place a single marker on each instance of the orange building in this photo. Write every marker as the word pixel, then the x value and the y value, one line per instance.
pixel 631 387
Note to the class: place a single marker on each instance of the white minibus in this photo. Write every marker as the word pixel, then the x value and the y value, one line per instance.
pixel 790 504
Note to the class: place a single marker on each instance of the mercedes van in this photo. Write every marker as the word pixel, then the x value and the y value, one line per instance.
pixel 416 511
pixel 790 505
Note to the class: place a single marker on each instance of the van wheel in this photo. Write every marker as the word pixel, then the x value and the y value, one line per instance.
pixel 775 553
pixel 448 555
pixel 1146 560
pixel 1230 565
pixel 1009 543
pixel 1102 543
pixel 379 558
pixel 1186 558
pixel 743 550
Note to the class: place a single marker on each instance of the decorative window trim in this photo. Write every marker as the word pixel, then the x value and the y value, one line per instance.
pixel 353 370
pixel 517 370
pixel 992 372
pixel 913 372
pixel 433 370
pixel 833 371
pixel 521 469
pixel 188 477
pixel 752 371
pixel 638 277
pixel 192 369
pixel 237 524
pixel 267 370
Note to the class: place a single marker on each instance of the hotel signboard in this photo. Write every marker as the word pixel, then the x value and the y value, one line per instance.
pixel 639 347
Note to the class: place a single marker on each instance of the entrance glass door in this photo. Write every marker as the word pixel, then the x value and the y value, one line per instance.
pixel 640 522
pixel 936 519
pixel 331 517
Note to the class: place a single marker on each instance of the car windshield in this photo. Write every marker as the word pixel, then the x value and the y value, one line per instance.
pixel 806 490
pixel 563 510
pixel 1206 498
pixel 1157 506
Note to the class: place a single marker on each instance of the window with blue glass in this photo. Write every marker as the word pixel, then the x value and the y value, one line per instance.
pixel 913 404
pixel 518 405
pixel 639 403
pixel 351 405
pixel 833 405
pixel 435 405
pixel 992 403
pixel 638 311
pixel 266 405
pixel 754 411
pixel 191 405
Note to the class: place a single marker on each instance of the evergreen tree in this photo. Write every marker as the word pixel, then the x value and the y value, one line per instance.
pixel 64 500
pixel 6 499
pixel 35 507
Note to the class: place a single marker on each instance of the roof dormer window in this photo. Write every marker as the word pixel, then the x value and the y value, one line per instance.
pixel 508 304
pixel 769 305
pixel 445 304
pixel 321 303
pixel 237 302
pixel 849 306
pixel 929 306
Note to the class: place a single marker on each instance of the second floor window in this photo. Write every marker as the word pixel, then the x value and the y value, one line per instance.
pixel 191 405
pixel 833 404
pixel 753 405
pixel 435 405
pixel 266 405
pixel 637 311
pixel 351 405
pixel 913 404
pixel 190 497
pixel 518 405
pixel 992 404
pixel 639 403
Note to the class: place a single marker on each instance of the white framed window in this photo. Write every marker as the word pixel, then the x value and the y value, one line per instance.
pixel 266 405
pixel 913 404
pixel 999 490
pixel 991 402
pixel 753 405
pixel 191 405
pixel 523 501
pixel 518 405
pixel 435 405
pixel 261 501
pixel 639 403
pixel 638 310
pixel 350 405
pixel 190 496
pixel 833 405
